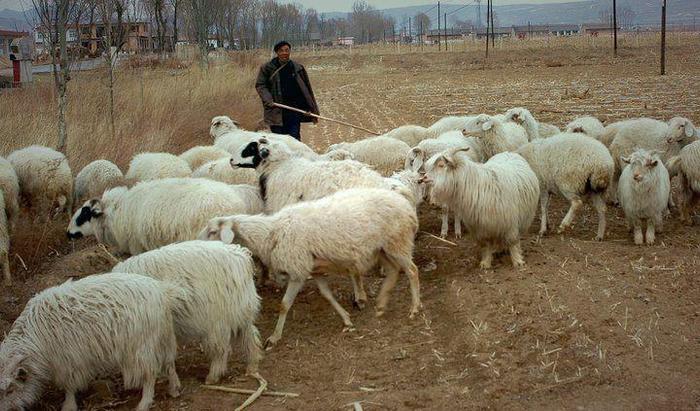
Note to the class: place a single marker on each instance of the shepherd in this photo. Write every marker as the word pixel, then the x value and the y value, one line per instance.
pixel 284 81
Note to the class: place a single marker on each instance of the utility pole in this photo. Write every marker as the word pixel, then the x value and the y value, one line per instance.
pixel 615 26
pixel 444 29
pixel 410 36
pixel 663 38
pixel 421 34
pixel 493 29
pixel 438 29
pixel 488 10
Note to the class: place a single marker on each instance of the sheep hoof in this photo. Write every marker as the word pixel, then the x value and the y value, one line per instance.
pixel 210 380
pixel 413 313
pixel 379 313
pixel 349 328
pixel 598 238
pixel 174 392
pixel 562 228
pixel 270 342
pixel 359 304
pixel 484 265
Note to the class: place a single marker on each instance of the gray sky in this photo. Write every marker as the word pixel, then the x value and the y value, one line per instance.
pixel 340 5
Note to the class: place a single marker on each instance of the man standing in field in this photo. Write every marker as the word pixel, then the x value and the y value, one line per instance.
pixel 283 81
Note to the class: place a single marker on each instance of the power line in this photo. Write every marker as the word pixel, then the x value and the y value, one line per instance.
pixel 460 8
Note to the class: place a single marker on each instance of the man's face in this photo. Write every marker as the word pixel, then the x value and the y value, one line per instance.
pixel 283 53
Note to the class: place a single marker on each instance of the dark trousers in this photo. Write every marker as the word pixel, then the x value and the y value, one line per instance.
pixel 291 124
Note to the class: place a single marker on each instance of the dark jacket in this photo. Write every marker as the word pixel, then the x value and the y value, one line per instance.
pixel 270 90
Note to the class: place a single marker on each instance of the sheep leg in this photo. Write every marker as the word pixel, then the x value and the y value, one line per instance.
pixel 458 224
pixel 638 235
pixel 444 216
pixel 249 338
pixel 516 254
pixel 391 272
pixel 600 207
pixel 69 403
pixel 684 201
pixel 650 232
pixel 544 206
pixel 149 388
pixel 5 262
pixel 218 348
pixel 294 285
pixel 173 381
pixel 328 295
pixel 576 204
pixel 358 288
pixel 486 257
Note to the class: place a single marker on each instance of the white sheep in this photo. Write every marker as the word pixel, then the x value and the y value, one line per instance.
pixel 652 135
pixel 221 170
pixel 337 155
pixel 160 212
pixel 9 186
pixel 45 179
pixel 154 166
pixel 94 179
pixel 219 299
pixel 351 230
pixel 384 154
pixel 4 242
pixel 495 135
pixel 643 191
pixel 573 167
pixel 448 123
pixel 533 128
pixel 200 155
pixel 497 200
pixel 221 125
pixel 588 125
pixel 409 134
pixel 686 166
pixel 69 334
pixel 286 179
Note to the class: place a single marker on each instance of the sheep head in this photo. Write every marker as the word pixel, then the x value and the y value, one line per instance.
pixel 415 159
pixel 680 130
pixel 222 124
pixel 642 164
pixel 441 163
pixel 19 387
pixel 517 115
pixel 218 229
pixel 478 125
pixel 83 221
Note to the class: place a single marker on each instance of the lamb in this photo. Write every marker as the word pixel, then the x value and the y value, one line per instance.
pixel 69 334
pixel 221 170
pixel 590 126
pixel 200 155
pixel 533 128
pixel 286 179
pixel 156 213
pixel 686 165
pixel 351 230
pixel 219 298
pixel 573 167
pixel 495 135
pixel 384 154
pixel 4 242
pixel 94 179
pixel 45 179
pixel 649 134
pixel 154 166
pixel 497 200
pixel 409 134
pixel 644 191
pixel 9 186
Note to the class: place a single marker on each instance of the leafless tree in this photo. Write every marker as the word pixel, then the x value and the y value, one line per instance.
pixel 55 18
pixel 626 16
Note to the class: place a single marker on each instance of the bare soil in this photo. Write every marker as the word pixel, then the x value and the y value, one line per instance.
pixel 586 325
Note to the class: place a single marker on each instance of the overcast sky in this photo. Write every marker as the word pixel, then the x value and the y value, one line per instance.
pixel 338 5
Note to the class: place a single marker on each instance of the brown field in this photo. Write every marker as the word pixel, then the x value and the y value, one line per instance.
pixel 586 325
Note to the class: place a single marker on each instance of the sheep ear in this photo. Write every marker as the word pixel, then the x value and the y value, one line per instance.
pixel 625 160
pixel 226 233
pixel 689 129
pixel 96 208
pixel 653 163
pixel 236 123
pixel 487 125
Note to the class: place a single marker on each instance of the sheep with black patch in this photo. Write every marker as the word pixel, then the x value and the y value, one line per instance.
pixel 497 200
pixel 45 179
pixel 160 212
pixel 219 301
pixel 155 166
pixel 349 231
pixel 72 333
pixel 221 170
pixel 94 179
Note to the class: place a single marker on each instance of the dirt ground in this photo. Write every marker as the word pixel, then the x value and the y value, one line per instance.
pixel 585 325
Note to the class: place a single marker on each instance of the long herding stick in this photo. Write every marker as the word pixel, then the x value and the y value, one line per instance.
pixel 308 113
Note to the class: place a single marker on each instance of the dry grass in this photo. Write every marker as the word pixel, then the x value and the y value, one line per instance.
pixel 159 107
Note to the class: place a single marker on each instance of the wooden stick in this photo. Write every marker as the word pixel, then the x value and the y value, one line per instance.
pixel 438 238
pixel 308 113
pixel 246 391
pixel 261 388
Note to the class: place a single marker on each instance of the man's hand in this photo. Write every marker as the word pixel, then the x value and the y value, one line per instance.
pixel 315 120
pixel 269 104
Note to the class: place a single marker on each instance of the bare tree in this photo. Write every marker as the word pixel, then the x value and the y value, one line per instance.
pixel 55 17
pixel 626 16
pixel 202 14
pixel 422 20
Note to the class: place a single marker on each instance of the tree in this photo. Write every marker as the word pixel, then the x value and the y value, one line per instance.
pixel 421 20
pixel 55 17
pixel 202 14
pixel 626 16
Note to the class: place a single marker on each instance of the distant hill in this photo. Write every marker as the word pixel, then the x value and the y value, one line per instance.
pixel 13 20
pixel 647 12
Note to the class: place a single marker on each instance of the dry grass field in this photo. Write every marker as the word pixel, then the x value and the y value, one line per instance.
pixel 585 325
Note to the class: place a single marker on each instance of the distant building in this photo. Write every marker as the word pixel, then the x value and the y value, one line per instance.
pixel 596 29
pixel 345 41
pixel 522 32
pixel 6 37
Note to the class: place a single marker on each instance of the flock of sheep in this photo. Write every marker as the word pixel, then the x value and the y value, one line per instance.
pixel 199 226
